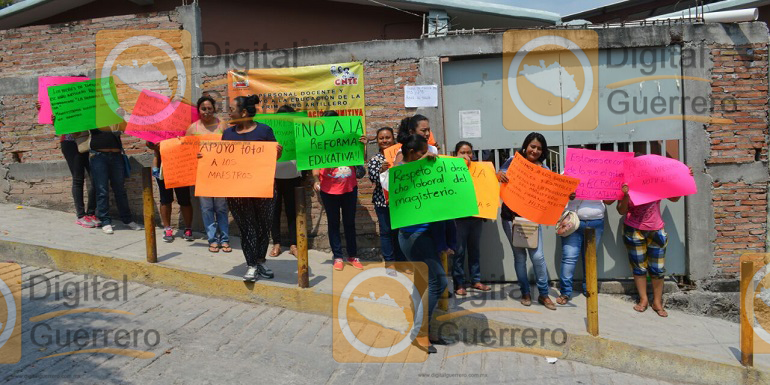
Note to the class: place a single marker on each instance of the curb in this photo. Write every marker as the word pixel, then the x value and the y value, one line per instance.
pixel 595 351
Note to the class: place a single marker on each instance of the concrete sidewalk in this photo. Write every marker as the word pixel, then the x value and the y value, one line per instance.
pixel 682 347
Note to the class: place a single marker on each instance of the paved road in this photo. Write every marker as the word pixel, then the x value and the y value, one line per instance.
pixel 199 340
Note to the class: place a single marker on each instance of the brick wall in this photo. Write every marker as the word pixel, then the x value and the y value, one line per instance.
pixel 739 92
pixel 57 50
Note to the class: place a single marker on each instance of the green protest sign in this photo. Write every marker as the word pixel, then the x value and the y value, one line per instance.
pixel 81 106
pixel 429 191
pixel 283 129
pixel 329 142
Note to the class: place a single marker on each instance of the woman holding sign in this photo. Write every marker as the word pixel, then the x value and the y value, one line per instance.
pixel 339 193
pixel 213 210
pixel 534 149
pixel 253 215
pixel 416 125
pixel 424 242
pixel 645 237
pixel 391 252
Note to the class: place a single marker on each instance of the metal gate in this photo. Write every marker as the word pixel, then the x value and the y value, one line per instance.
pixel 477 84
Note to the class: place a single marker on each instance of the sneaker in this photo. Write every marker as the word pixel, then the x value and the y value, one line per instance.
pixel 251 275
pixel 188 235
pixel 355 263
pixel 168 234
pixel 338 264
pixel 107 229
pixel 93 219
pixel 135 226
pixel 84 222
pixel 264 271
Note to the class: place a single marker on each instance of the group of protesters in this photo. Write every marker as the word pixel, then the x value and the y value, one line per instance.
pixel 257 218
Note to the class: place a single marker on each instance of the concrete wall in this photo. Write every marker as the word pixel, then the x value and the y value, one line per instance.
pixel 727 217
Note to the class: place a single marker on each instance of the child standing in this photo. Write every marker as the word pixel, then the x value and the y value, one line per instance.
pixel 468 240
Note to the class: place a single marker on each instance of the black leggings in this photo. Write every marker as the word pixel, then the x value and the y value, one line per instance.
pixel 253 216
pixel 284 192
pixel 78 165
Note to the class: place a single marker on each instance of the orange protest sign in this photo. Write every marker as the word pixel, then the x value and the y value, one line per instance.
pixel 390 153
pixel 431 139
pixel 487 188
pixel 180 159
pixel 536 193
pixel 236 169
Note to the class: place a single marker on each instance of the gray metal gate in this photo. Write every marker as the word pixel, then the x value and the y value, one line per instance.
pixel 477 84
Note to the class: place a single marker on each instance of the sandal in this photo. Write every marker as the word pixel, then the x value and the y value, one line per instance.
pixel 562 299
pixel 293 250
pixel 481 287
pixel 214 248
pixel 461 291
pixel 660 312
pixel 276 251
pixel 226 247
pixel 641 309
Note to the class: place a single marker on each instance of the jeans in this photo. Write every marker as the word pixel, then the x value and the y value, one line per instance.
pixel 284 191
pixel 214 212
pixel 78 165
pixel 391 250
pixel 520 262
pixel 346 203
pixel 108 170
pixel 572 249
pixel 468 244
pixel 419 247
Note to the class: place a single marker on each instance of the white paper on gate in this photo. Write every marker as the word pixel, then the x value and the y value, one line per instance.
pixel 421 96
pixel 470 124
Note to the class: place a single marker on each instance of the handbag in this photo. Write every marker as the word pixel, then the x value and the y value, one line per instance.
pixel 83 140
pixel 524 233
pixel 569 222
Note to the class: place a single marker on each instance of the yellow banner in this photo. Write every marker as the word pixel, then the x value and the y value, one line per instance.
pixel 315 89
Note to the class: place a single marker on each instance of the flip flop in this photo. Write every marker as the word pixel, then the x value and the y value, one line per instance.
pixel 273 253
pixel 226 247
pixel 214 248
pixel 660 312
pixel 640 308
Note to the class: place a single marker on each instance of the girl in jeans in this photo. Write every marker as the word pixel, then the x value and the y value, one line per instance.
pixel 424 242
pixel 391 252
pixel 591 215
pixel 213 210
pixel 534 150
pixel 468 240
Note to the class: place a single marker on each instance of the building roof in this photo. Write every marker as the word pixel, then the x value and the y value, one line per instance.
pixel 628 10
pixel 464 14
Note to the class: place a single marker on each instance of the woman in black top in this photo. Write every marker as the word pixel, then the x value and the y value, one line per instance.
pixel 253 215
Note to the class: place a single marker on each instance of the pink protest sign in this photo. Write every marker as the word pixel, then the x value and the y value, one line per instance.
pixel 156 118
pixel 654 177
pixel 44 116
pixel 600 172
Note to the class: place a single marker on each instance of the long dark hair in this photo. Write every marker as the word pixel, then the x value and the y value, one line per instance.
pixel 408 126
pixel 285 108
pixel 413 143
pixel 460 145
pixel 204 99
pixel 248 103
pixel 540 138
